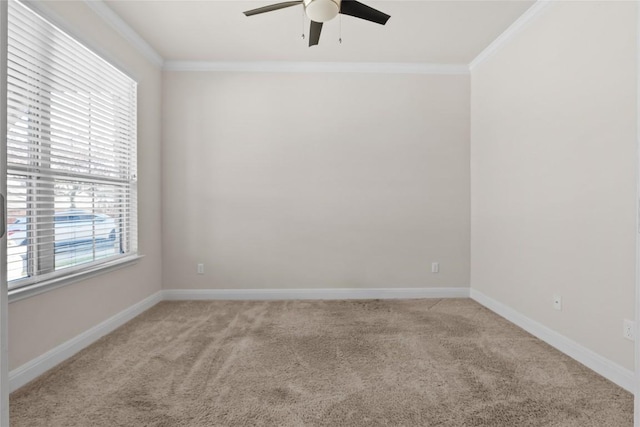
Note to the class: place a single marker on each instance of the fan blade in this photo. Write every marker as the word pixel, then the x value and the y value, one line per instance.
pixel 314 33
pixel 362 11
pixel 272 7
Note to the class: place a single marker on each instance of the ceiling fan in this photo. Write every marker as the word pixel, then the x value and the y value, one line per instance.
pixel 320 11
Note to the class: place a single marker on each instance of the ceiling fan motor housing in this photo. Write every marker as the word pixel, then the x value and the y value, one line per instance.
pixel 322 10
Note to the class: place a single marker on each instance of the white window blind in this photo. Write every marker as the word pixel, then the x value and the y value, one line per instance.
pixel 71 155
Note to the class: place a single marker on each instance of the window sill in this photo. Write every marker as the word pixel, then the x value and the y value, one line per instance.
pixel 51 284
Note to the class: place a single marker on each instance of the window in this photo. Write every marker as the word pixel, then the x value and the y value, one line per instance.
pixel 71 155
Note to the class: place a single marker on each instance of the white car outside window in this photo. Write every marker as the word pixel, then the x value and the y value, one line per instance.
pixel 72 228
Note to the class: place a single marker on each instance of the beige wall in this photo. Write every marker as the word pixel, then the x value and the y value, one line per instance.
pixel 40 323
pixel 554 173
pixel 315 180
pixel 362 180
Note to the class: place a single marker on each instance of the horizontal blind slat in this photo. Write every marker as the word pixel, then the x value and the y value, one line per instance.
pixel 71 154
pixel 59 52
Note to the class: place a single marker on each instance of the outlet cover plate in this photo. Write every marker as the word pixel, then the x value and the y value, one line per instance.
pixel 629 329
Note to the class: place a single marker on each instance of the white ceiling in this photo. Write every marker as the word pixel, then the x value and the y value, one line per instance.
pixel 435 32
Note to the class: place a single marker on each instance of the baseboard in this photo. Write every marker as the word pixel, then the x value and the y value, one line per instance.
pixel 314 294
pixel 608 369
pixel 603 366
pixel 38 366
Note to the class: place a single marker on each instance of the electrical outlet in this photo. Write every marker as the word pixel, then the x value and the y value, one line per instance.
pixel 629 329
pixel 435 267
pixel 200 269
pixel 557 302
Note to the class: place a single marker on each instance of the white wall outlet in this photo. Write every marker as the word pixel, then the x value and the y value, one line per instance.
pixel 435 267
pixel 557 302
pixel 200 269
pixel 629 329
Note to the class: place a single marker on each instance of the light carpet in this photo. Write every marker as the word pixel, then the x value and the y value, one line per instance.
pixel 427 362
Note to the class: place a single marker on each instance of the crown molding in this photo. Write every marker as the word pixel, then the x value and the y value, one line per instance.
pixel 318 67
pixel 533 12
pixel 117 23
pixel 114 20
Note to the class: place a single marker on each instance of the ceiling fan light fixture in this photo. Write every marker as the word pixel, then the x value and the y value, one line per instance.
pixel 321 10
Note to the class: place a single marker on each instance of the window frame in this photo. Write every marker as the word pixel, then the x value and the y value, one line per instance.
pixel 30 286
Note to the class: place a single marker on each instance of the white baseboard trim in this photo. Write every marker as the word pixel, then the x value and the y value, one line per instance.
pixel 603 366
pixel 608 369
pixel 313 294
pixel 38 366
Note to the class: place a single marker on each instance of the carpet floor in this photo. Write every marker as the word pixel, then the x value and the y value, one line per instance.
pixel 427 362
